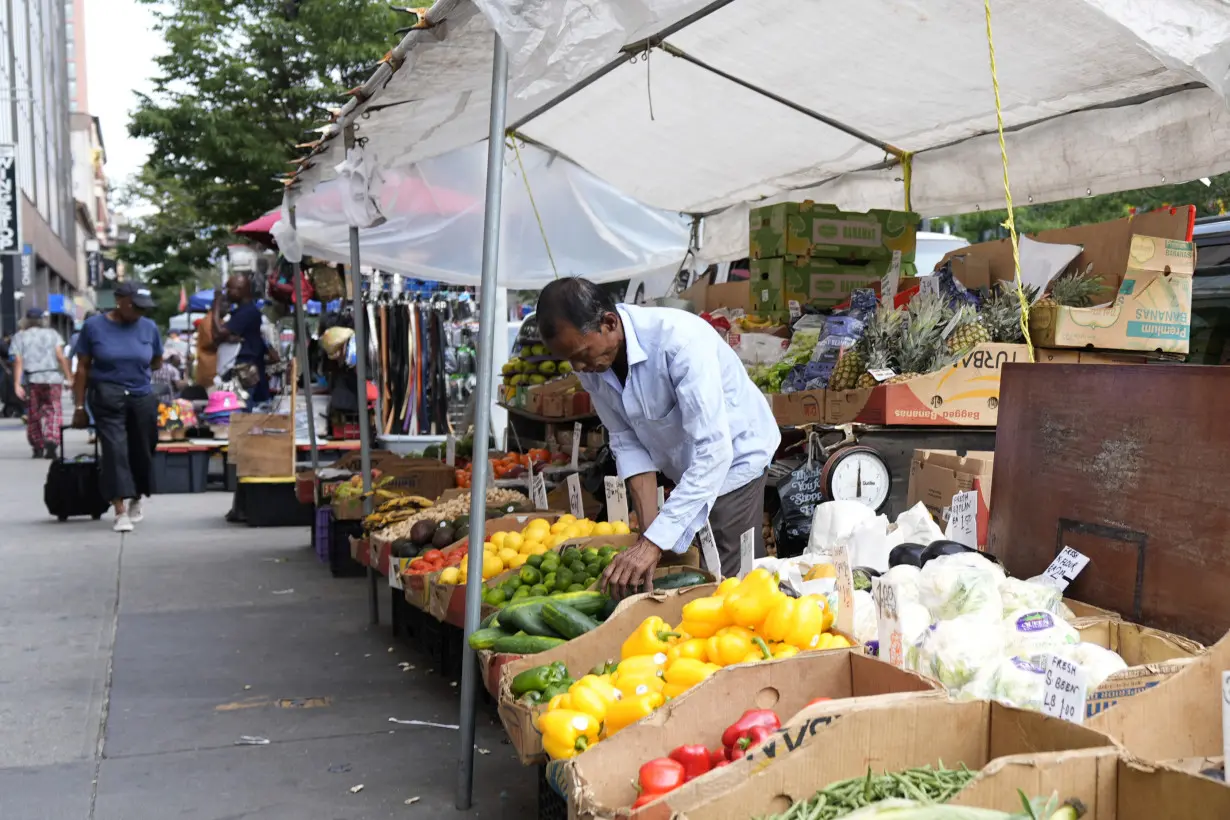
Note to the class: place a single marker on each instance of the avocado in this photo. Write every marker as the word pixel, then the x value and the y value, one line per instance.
pixel 422 531
pixel 443 536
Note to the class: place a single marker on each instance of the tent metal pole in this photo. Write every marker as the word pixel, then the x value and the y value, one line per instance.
pixel 482 416
pixel 305 370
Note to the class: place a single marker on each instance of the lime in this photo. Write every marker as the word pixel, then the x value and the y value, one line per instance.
pixel 534 561
pixel 522 592
pixel 606 551
pixel 605 561
pixel 577 567
pixel 569 555
pixel 576 588
pixel 563 578
pixel 529 575
pixel 539 590
pixel 588 553
pixel 496 596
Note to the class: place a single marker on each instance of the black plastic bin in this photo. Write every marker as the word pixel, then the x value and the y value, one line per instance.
pixel 181 470
pixel 271 502
pixel 340 562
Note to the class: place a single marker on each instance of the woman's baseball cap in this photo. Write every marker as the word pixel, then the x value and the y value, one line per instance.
pixel 139 293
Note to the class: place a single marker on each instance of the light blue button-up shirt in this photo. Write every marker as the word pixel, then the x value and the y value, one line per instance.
pixel 688 410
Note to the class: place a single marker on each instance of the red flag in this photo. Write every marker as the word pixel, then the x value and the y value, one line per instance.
pixel 183 299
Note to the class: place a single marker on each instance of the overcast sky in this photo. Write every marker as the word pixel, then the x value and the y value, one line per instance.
pixel 120 51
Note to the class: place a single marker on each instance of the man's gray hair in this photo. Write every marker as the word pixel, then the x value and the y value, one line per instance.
pixel 576 301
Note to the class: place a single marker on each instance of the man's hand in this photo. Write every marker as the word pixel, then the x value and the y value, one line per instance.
pixel 80 419
pixel 20 391
pixel 631 568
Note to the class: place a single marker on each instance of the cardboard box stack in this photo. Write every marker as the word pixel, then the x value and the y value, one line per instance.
pixel 937 475
pixel 806 253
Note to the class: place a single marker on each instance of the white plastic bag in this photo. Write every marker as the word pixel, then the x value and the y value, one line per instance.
pixel 1035 633
pixel 1098 662
pixel 955 652
pixel 866 623
pixel 916 526
pixel 871 542
pixel 833 522
pixel 1019 682
pixel 1018 594
pixel 964 585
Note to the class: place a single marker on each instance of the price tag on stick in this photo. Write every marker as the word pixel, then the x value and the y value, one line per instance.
pixel 616 499
pixel 538 489
pixel 889 624
pixel 450 450
pixel 1066 690
pixel 1064 569
pixel 576 445
pixel 845 589
pixel 708 551
pixel 747 552
pixel 575 502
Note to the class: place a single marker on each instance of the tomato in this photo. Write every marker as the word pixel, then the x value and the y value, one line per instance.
pixel 814 701
pixel 432 555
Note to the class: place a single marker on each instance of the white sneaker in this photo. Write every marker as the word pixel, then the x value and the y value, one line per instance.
pixel 135 511
pixel 123 523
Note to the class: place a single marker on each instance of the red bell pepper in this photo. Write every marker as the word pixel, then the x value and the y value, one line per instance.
pixel 720 764
pixel 694 759
pixel 814 701
pixel 717 757
pixel 660 775
pixel 754 735
pixel 645 799
pixel 750 720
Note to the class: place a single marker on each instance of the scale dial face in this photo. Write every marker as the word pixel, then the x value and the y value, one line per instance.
pixel 858 474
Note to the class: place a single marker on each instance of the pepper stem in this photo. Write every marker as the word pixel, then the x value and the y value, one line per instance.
pixel 665 634
pixel 582 743
pixel 762 646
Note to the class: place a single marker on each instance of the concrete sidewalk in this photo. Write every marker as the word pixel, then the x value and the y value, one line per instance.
pixel 128 674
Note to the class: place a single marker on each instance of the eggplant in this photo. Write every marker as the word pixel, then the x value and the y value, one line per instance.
pixel 906 554
pixel 945 547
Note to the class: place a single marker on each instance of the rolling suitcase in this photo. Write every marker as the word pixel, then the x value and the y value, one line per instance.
pixel 73 485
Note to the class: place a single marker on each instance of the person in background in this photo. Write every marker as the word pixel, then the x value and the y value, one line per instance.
pixel 116 354
pixel 243 327
pixel 175 346
pixel 168 374
pixel 674 399
pixel 40 363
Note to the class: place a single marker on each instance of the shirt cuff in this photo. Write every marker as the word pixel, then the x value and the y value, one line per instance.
pixel 669 536
pixel 632 460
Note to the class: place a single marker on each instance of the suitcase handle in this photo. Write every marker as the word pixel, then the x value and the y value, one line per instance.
pixel 63 427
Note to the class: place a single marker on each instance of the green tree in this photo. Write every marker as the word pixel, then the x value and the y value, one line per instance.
pixel 241 83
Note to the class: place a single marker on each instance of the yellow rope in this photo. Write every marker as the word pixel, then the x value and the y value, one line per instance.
pixel 907 176
pixel 541 228
pixel 1010 222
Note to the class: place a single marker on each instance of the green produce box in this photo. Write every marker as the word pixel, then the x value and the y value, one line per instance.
pixel 796 281
pixel 808 229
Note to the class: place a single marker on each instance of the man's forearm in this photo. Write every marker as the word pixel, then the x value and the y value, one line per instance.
pixel 17 370
pixel 643 489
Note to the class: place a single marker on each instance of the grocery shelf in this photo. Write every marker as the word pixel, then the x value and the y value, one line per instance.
pixel 525 414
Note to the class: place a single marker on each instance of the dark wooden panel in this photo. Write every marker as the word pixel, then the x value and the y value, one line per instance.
pixel 1131 466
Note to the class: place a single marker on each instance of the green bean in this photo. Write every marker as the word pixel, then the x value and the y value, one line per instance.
pixel 922 784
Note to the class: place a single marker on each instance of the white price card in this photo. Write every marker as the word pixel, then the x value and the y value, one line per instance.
pixel 616 499
pixel 576 444
pixel 845 589
pixel 575 502
pixel 450 450
pixel 1065 690
pixel 708 551
pixel 891 280
pixel 396 565
pixel 929 284
pixel 747 552
pixel 1064 569
pixel 963 519
pixel 538 489
pixel 796 310
pixel 882 375
pixel 888 622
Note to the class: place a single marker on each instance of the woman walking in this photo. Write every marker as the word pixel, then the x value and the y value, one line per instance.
pixel 38 359
pixel 116 353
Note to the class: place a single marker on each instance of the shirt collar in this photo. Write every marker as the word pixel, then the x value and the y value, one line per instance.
pixel 636 353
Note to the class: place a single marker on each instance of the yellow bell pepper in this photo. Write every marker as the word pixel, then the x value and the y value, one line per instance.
pixel 693 648
pixel 633 685
pixel 783 650
pixel 752 601
pixel 592 696
pixel 639 666
pixel 651 637
pixel 563 701
pixel 725 588
pixel 631 709
pixel 797 621
pixel 565 732
pixel 703 617
pixel 688 672
pixel 674 690
pixel 733 645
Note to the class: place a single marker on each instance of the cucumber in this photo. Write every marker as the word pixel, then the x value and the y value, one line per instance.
pixel 526 616
pixel 525 644
pixel 678 580
pixel 490 621
pixel 486 638
pixel 566 620
pixel 587 602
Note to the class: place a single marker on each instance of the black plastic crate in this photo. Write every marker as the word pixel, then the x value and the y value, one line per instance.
pixel 340 562
pixel 180 471
pixel 271 502
pixel 551 805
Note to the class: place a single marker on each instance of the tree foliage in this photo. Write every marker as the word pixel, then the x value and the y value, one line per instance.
pixel 241 83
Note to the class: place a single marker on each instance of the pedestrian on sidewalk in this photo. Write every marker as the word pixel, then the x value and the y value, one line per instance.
pixel 39 361
pixel 116 354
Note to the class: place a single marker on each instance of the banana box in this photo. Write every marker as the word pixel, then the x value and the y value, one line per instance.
pixel 1152 310
pixel 810 229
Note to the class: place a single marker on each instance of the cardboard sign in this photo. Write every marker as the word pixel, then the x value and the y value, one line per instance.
pixel 396 565
pixel 1064 569
pixel 575 503
pixel 747 551
pixel 450 450
pixel 963 519
pixel 1065 692
pixel 576 444
pixel 845 589
pixel 538 489
pixel 889 626
pixel 708 551
pixel 616 499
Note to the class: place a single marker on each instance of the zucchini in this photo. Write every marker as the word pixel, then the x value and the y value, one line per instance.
pixel 525 644
pixel 587 602
pixel 526 616
pixel 679 580
pixel 486 638
pixel 566 620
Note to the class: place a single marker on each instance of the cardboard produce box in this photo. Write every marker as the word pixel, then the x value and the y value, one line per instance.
pixel 1152 657
pixel 582 654
pixel 600 782
pixel 1152 309
pixel 835 741
pixel 706 297
pixel 262 445
pixel 937 475
pixel 825 283
pixel 811 229
pixel 797 409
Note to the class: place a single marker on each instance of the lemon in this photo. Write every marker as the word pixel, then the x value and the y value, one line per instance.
pixel 492 566
pixel 450 575
pixel 497 538
pixel 573 531
pixel 529 545
pixel 489 546
pixel 620 528
pixel 586 528
pixel 517 562
pixel 539 549
pixel 558 527
pixel 538 529
pixel 512 540
pixel 553 541
pixel 506 555
pixel 604 528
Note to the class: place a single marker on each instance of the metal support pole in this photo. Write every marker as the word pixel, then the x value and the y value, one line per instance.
pixel 482 416
pixel 305 370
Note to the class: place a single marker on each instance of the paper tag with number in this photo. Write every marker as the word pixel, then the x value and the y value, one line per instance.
pixel 538 489
pixel 845 589
pixel 450 450
pixel 888 629
pixel 891 280
pixel 1064 569
pixel 963 519
pixel 747 552
pixel 764 295
pixel 1065 690
pixel 708 551
pixel 576 444
pixel 575 503
pixel 616 499
pixel 929 284
pixel 882 375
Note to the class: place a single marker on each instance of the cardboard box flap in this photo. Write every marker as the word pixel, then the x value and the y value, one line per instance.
pixel 1091 775
pixel 1161 255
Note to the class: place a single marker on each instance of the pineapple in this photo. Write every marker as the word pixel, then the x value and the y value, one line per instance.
pixel 969 332
pixel 1001 311
pixel 922 343
pixel 879 343
pixel 849 367
pixel 1074 289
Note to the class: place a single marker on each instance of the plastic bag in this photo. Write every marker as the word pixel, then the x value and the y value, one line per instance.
pixel 1019 682
pixel 956 652
pixel 1098 662
pixel 866 623
pixel 1035 633
pixel 871 542
pixel 834 521
pixel 916 526
pixel 965 585
pixel 1018 594
pixel 799 494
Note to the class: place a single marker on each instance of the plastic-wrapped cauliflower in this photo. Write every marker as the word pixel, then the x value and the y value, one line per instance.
pixel 955 652
pixel 1034 633
pixel 962 586
pixel 866 623
pixel 1018 594
pixel 1098 662
pixel 1019 682
pixel 903 578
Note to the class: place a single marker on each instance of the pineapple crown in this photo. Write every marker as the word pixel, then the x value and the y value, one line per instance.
pixel 1076 288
